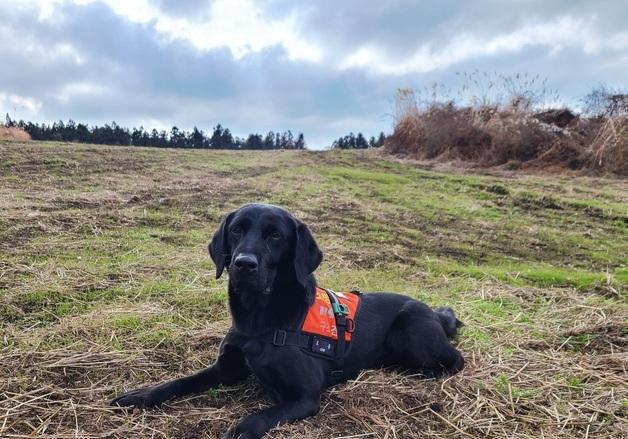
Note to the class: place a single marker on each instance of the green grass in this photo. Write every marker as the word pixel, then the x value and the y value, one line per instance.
pixel 104 254
pixel 503 386
pixel 521 274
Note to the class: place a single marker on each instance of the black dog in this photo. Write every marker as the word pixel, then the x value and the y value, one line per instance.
pixel 270 257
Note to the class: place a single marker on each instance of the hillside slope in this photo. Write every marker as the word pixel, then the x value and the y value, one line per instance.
pixel 105 285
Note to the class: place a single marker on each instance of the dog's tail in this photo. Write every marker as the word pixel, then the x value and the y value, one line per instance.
pixel 448 320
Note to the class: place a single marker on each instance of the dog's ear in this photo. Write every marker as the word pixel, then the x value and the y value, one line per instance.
pixel 219 249
pixel 307 255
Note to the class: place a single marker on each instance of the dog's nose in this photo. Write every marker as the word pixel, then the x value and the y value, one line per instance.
pixel 245 262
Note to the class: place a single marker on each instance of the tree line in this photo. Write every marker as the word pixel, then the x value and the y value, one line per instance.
pixel 113 134
pixel 352 141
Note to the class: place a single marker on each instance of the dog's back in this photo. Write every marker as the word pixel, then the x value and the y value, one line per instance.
pixel 396 330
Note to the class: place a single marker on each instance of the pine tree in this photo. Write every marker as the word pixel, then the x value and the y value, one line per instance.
pixel 300 143
pixel 197 138
pixel 269 140
pixel 254 141
pixel 227 140
pixel 381 139
pixel 136 136
pixel 360 142
pixel 215 142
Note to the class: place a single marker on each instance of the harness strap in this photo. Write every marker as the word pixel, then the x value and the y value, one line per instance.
pixel 311 343
pixel 340 315
pixel 288 338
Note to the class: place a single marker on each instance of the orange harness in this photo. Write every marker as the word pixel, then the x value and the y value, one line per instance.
pixel 326 328
pixel 321 320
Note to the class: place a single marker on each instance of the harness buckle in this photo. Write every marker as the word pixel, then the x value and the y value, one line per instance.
pixel 340 308
pixel 279 338
pixel 336 374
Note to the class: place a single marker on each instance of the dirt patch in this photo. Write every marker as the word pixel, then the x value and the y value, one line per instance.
pixel 529 201
pixel 560 117
pixel 603 339
pixel 13 236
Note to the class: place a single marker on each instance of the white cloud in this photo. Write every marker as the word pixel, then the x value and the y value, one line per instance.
pixel 72 90
pixel 45 54
pixel 19 106
pixel 554 36
pixel 239 25
pixel 15 40
pixel 138 11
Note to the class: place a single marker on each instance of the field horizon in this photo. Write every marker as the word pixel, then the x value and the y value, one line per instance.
pixel 106 285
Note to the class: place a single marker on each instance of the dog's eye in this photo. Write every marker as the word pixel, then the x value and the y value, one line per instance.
pixel 236 230
pixel 275 234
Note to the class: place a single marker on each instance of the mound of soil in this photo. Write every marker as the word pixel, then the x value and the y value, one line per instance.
pixel 559 117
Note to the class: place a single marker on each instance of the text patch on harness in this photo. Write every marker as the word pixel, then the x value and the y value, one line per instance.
pixel 322 346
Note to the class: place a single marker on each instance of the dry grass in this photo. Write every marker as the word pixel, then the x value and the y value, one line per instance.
pixel 105 285
pixel 562 386
pixel 610 146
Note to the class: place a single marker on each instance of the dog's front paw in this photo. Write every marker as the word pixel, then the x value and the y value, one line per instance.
pixel 140 398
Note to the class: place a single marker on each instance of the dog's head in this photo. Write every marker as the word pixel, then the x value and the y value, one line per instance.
pixel 262 246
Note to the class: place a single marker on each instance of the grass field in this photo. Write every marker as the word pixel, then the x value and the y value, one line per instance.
pixel 106 285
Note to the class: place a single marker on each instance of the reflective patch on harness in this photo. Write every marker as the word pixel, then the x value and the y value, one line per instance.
pixel 320 319
pixel 322 346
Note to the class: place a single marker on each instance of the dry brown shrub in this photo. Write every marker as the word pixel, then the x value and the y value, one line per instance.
pixel 13 133
pixel 610 146
pixel 515 136
pixel 563 153
pixel 442 129
pixel 508 136
pixel 485 136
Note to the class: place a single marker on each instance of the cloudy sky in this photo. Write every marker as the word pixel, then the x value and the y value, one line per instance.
pixel 320 67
